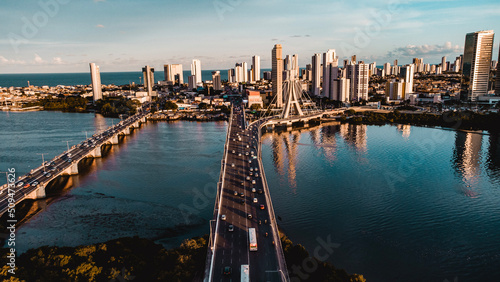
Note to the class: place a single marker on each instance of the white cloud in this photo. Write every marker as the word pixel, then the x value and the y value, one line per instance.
pixel 425 50
pixel 6 61
pixel 99 26
pixel 38 59
pixel 57 61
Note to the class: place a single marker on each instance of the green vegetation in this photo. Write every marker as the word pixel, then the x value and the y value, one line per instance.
pixel 67 104
pixel 169 105
pixel 296 256
pixel 113 107
pixel 458 120
pixel 121 259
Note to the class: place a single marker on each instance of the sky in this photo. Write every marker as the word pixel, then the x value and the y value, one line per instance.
pixel 56 36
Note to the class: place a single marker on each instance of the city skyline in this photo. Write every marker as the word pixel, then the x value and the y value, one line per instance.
pixel 64 36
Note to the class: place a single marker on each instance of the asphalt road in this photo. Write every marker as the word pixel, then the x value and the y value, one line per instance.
pixel 232 247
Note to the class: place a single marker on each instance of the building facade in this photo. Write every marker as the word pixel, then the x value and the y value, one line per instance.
pixel 476 62
pixel 95 76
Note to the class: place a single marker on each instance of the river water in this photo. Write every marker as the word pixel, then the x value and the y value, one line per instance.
pixel 394 203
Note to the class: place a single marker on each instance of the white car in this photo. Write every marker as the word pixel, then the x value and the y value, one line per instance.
pixel 256 175
pixel 255 200
pixel 253 181
pixel 251 169
pixel 234 152
pixel 223 217
pixel 253 190
pixel 232 165
pixel 248 178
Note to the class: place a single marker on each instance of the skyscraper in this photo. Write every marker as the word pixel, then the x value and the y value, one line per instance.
pixel 407 73
pixel 256 67
pixel 149 80
pixel 316 74
pixel 387 69
pixel 359 80
pixel 196 71
pixel 95 75
pixel 173 73
pixel 245 71
pixel 478 50
pixel 216 80
pixel 329 60
pixel 277 74
pixel 497 83
pixel 443 64
pixel 295 65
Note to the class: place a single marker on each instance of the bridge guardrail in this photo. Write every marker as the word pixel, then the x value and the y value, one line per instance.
pixel 277 240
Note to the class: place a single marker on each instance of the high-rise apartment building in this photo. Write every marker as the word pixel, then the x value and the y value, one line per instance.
pixel 387 69
pixel 359 80
pixel 196 71
pixel 295 65
pixel 329 60
pixel 497 82
pixel 256 68
pixel 245 71
pixel 95 76
pixel 407 73
pixel 148 74
pixel 216 80
pixel 174 74
pixel 277 74
pixel 316 74
pixel 340 90
pixel 394 90
pixel 478 51
pixel 444 66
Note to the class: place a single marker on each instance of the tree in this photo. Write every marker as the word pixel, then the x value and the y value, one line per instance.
pixel 203 106
pixel 169 105
pixel 255 107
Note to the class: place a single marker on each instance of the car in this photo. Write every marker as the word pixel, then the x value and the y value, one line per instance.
pixel 260 191
pixel 230 228
pixel 255 200
pixel 249 216
pixel 69 160
pixel 251 169
pixel 234 152
pixel 246 153
pixel 242 195
pixel 232 165
pixel 26 185
pixel 34 184
pixel 248 178
pixel 253 181
pixel 247 145
pixel 227 270
pixel 249 161
pixel 253 190
pixel 262 207
pixel 235 193
pixel 242 201
pixel 48 174
pixel 239 154
pixel 256 169
pixel 256 175
pixel 242 183
pixel 250 173
pixel 53 168
pixel 223 217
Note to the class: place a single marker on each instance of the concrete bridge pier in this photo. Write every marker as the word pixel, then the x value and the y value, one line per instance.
pixel 136 124
pixel 114 139
pixel 97 152
pixel 125 131
pixel 39 193
pixel 72 170
pixel 143 120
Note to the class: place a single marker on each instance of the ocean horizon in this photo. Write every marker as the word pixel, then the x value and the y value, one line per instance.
pixel 107 78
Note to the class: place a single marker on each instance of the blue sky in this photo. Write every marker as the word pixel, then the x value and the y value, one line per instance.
pixel 124 35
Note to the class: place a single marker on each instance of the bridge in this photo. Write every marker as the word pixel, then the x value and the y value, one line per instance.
pixel 243 200
pixel 33 184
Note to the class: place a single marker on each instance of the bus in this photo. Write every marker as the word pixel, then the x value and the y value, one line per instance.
pixel 253 239
pixel 245 273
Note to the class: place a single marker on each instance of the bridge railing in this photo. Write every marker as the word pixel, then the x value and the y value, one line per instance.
pixel 215 219
pixel 274 224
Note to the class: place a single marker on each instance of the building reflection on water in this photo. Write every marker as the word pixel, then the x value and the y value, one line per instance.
pixel 467 160
pixel 405 130
pixel 285 145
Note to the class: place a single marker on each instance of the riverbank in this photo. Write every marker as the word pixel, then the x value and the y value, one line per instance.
pixel 144 260
pixel 455 120
pixel 189 116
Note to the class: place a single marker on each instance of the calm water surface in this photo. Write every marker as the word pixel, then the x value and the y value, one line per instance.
pixel 398 203
pixel 402 203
